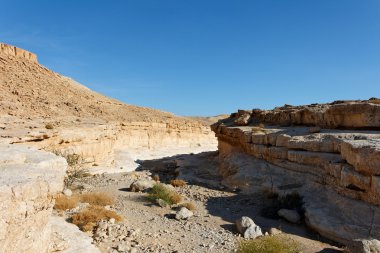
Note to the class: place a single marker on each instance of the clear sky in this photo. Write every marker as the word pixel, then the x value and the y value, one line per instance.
pixel 205 57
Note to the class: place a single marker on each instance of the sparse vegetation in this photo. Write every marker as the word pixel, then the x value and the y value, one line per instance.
pixel 189 205
pixel 49 126
pixel 87 219
pixel 96 198
pixel 75 162
pixel 178 182
pixel 160 191
pixel 269 244
pixel 63 203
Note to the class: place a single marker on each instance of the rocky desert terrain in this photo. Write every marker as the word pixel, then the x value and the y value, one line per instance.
pixel 81 172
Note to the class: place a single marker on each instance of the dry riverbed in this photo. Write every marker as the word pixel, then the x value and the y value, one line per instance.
pixel 147 227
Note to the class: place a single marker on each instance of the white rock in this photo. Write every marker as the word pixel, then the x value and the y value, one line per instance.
pixel 67 192
pixel 183 214
pixel 289 215
pixel 243 223
pixel 274 231
pixel 141 185
pixel 364 246
pixel 248 228
pixel 252 232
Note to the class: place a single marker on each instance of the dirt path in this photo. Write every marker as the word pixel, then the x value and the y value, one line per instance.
pixel 211 229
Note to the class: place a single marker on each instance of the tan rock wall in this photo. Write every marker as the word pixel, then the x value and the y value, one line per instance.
pixel 29 179
pixel 17 52
pixel 348 162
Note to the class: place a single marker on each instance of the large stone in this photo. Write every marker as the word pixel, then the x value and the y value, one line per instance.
pixel 289 215
pixel 183 214
pixel 142 185
pixel 364 246
pixel 248 228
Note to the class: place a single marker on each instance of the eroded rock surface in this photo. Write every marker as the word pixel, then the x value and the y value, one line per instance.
pixel 334 169
pixel 29 179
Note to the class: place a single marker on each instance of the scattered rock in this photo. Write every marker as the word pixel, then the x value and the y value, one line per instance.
pixel 142 185
pixel 67 192
pixel 183 214
pixel 243 120
pixel 248 228
pixel 274 231
pixel 162 203
pixel 364 246
pixel 289 215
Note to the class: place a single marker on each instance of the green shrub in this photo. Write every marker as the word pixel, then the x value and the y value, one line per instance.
pixel 160 191
pixel 268 244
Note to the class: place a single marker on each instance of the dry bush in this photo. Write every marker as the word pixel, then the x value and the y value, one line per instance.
pixel 97 198
pixel 156 177
pixel 87 219
pixel 269 244
pixel 177 182
pixel 160 191
pixel 49 126
pixel 189 205
pixel 63 203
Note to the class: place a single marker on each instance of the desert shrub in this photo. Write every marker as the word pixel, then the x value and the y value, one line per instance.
pixel 189 205
pixel 49 126
pixel 96 198
pixel 87 219
pixel 177 182
pixel 160 191
pixel 74 174
pixel 63 203
pixel 268 244
pixel 156 177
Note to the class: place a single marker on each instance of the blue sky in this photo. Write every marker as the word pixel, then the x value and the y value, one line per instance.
pixel 205 57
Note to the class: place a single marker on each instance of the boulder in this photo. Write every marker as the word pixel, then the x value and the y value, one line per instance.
pixel 183 214
pixel 67 192
pixel 142 185
pixel 248 228
pixel 364 246
pixel 289 215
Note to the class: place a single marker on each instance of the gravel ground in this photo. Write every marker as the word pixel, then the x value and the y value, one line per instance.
pixel 148 227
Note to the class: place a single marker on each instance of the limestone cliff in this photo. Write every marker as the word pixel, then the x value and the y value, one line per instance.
pixel 29 179
pixel 21 54
pixel 309 150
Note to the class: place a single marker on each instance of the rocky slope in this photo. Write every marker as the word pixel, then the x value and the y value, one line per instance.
pixel 101 129
pixel 329 154
pixel 40 109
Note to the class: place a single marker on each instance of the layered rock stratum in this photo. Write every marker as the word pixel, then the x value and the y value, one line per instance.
pixel 42 111
pixel 327 153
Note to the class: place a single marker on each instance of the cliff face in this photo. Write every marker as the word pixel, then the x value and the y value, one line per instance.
pixel 29 179
pixel 336 170
pixel 21 54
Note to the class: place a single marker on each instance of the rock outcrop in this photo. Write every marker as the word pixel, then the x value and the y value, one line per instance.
pixel 309 150
pixel 29 179
pixel 21 54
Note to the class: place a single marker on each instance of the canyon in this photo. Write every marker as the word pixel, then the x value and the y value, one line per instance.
pixel 43 112
pixel 327 154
